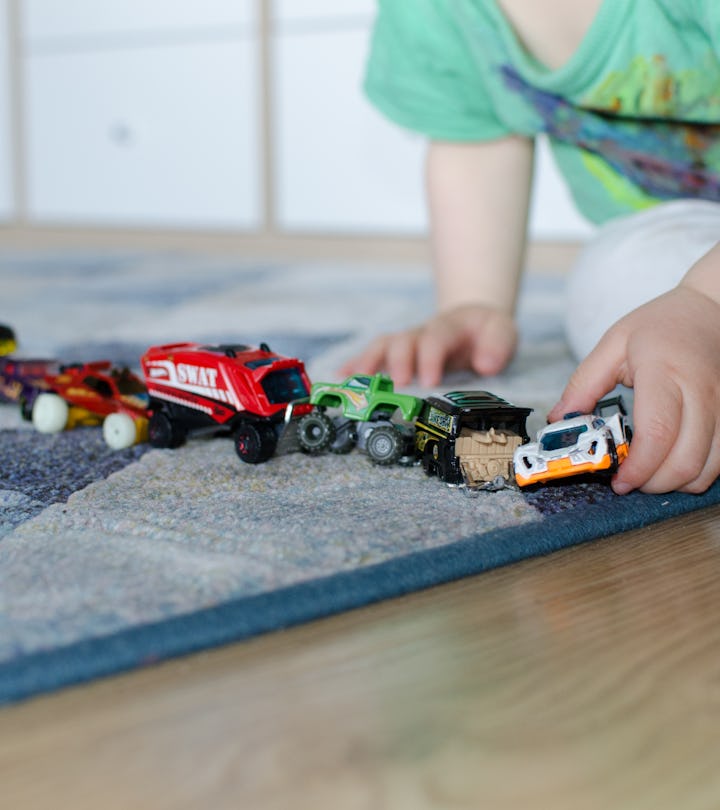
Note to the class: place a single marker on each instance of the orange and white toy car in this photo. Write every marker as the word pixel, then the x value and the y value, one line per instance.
pixel 580 443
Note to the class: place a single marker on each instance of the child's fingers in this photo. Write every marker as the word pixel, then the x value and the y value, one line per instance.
pixel 493 346
pixel 434 348
pixel 658 421
pixel 689 456
pixel 440 344
pixel 370 360
pixel 400 357
pixel 710 471
pixel 597 374
pixel 686 462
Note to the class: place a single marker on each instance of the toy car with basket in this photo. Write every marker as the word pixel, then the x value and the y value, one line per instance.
pixel 369 409
pixel 247 392
pixel 469 438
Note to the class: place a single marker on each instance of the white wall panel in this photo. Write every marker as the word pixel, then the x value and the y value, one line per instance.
pixel 292 11
pixel 44 20
pixel 149 136
pixel 340 165
pixel 6 174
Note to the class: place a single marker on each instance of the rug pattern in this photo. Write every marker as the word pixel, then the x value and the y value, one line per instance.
pixel 109 560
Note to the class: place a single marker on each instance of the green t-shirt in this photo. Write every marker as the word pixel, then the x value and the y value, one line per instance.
pixel 633 118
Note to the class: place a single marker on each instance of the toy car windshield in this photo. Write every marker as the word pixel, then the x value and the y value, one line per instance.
pixel 284 386
pixel 99 385
pixel 557 439
pixel 358 382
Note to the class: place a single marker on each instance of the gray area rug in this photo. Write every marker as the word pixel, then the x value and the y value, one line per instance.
pixel 113 559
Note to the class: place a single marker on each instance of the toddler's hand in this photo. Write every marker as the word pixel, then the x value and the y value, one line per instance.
pixel 473 336
pixel 669 351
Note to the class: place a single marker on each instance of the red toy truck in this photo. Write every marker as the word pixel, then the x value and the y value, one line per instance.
pixel 245 391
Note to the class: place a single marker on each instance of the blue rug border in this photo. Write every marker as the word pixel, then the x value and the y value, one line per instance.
pixel 246 617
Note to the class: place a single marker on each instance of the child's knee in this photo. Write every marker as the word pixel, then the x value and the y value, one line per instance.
pixel 632 260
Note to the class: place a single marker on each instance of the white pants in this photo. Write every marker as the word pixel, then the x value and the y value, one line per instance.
pixel 632 260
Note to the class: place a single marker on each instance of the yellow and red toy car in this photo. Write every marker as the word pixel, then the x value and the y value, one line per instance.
pixel 93 394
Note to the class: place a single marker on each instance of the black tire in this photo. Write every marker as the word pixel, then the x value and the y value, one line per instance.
pixel 26 410
pixel 499 483
pixel 254 444
pixel 385 445
pixel 345 438
pixel 316 432
pixel 429 459
pixel 164 432
pixel 612 452
pixel 343 445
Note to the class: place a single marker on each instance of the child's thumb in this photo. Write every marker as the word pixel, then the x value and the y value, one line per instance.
pixel 595 377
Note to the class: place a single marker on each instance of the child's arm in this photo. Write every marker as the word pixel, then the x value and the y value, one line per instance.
pixel 669 351
pixel 478 202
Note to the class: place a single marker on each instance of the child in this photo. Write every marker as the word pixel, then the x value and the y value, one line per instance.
pixel 629 96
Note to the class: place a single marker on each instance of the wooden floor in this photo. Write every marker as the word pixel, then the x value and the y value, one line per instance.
pixel 586 679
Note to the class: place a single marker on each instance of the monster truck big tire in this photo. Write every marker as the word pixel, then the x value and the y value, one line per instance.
pixel 164 432
pixel 316 432
pixel 119 431
pixel 50 413
pixel 255 443
pixel 384 445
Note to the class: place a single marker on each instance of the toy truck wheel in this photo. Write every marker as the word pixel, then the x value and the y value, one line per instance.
pixel 255 443
pixel 384 445
pixel 50 413
pixel 498 483
pixel 612 452
pixel 430 459
pixel 26 409
pixel 343 444
pixel 164 432
pixel 316 432
pixel 345 438
pixel 119 431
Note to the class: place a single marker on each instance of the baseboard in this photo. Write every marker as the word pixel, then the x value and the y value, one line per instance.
pixel 544 256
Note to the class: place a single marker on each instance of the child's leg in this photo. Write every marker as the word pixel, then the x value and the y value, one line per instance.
pixel 632 260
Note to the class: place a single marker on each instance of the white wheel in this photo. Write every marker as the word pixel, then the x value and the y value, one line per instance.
pixel 50 413
pixel 119 431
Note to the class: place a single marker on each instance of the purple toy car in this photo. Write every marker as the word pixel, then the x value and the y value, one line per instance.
pixel 22 380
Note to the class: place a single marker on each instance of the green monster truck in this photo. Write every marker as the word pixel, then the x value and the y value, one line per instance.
pixel 367 405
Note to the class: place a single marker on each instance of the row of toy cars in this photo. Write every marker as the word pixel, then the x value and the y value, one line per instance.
pixel 471 438
pixel 243 391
